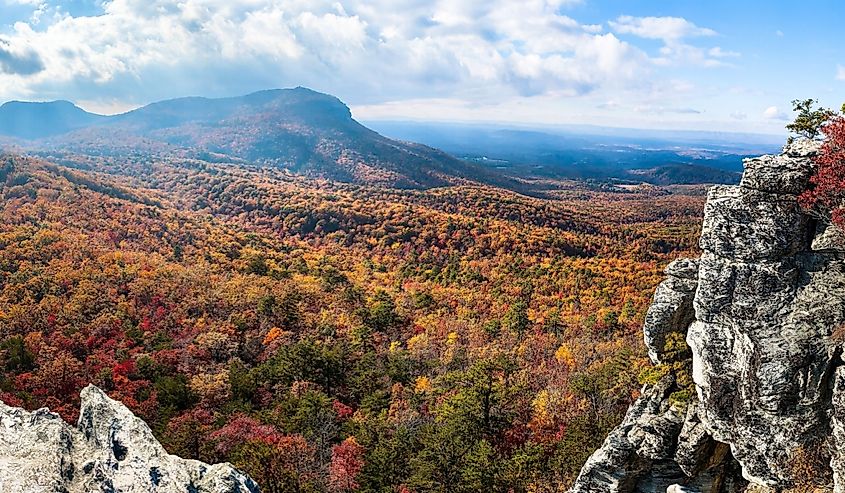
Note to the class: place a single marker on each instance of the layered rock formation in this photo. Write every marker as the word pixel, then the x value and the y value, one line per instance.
pixel 110 451
pixel 763 313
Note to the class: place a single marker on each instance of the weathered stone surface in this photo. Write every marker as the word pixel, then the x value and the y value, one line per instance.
pixel 829 238
pixel 660 443
pixel 837 463
pixel 752 225
pixel 671 308
pixel 695 445
pixel 111 450
pixel 777 174
pixel 636 456
pixel 802 148
pixel 764 383
pixel 767 337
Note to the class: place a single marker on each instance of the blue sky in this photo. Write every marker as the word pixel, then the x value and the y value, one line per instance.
pixel 714 65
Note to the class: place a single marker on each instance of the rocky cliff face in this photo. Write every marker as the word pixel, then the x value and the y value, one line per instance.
pixel 109 451
pixel 763 314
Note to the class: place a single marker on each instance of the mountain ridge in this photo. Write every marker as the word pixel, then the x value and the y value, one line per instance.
pixel 34 120
pixel 299 129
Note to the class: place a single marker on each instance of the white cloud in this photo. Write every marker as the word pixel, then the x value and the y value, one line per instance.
pixel 718 52
pixel 668 29
pixel 609 105
pixel 527 59
pixel 739 115
pixel 660 110
pixel 673 31
pixel 840 72
pixel 374 49
pixel 774 113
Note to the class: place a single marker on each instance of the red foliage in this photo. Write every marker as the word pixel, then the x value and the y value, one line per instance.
pixel 343 411
pixel 828 190
pixel 243 428
pixel 347 462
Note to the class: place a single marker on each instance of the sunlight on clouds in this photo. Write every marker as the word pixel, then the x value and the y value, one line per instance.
pixel 368 52
pixel 527 47
pixel 672 31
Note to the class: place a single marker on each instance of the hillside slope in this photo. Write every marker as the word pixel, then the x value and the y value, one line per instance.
pixel 300 130
pixel 267 320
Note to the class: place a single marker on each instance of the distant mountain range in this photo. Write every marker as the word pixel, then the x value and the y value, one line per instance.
pixel 589 152
pixel 298 129
pixel 314 134
pixel 26 120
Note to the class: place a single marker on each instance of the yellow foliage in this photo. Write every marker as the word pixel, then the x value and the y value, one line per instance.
pixel 564 356
pixel 211 387
pixel 418 342
pixel 540 404
pixel 422 385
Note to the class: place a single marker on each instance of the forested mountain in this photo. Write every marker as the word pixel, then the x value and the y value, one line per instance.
pixel 266 282
pixel 299 130
pixel 324 336
pixel 314 134
pixel 26 120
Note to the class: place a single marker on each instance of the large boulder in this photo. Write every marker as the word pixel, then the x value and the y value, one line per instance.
pixel 764 317
pixel 110 451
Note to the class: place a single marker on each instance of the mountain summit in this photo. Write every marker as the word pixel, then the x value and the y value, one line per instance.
pixel 27 120
pixel 301 130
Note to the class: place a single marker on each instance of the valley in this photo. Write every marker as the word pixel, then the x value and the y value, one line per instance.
pixel 318 332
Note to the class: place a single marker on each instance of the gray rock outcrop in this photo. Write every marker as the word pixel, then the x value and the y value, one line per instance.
pixel 764 318
pixel 110 451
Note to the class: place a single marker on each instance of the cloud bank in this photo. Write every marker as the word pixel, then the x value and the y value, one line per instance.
pixel 479 56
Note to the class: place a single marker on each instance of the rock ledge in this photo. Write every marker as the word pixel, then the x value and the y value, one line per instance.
pixel 763 314
pixel 110 451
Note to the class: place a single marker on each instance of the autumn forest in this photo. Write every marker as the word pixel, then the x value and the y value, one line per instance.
pixel 334 337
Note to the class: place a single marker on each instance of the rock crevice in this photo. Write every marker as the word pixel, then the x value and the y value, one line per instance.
pixel 763 314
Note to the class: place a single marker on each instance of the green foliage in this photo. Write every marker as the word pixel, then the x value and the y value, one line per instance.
pixel 493 327
pixel 677 363
pixel 381 312
pixel 242 381
pixel 809 121
pixel 516 318
pixel 304 361
pixel 16 356
pixel 369 383
pixel 173 392
pixel 423 299
pixel 258 266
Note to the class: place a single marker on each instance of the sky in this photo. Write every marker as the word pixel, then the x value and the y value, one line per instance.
pixel 722 65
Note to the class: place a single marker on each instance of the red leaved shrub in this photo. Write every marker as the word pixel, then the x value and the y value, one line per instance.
pixel 827 192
